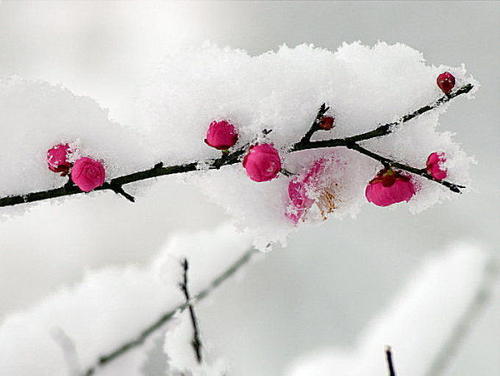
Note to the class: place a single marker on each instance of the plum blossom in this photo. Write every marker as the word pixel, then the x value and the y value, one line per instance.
pixel 308 189
pixel 262 162
pixel 221 135
pixel 88 174
pixel 57 159
pixel 446 82
pixel 389 187
pixel 435 167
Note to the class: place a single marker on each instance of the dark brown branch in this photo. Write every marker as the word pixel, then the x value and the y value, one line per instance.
pixel 390 163
pixel 118 189
pixel 107 358
pixel 196 342
pixel 390 364
pixel 233 157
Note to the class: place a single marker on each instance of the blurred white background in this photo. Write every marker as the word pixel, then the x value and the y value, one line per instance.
pixel 330 281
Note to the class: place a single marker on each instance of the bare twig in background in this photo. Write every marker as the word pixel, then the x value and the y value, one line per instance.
pixel 116 184
pixel 105 359
pixel 390 364
pixel 69 350
pixel 464 325
pixel 196 342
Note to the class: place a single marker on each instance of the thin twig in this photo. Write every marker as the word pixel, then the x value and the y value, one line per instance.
pixel 390 364
pixel 391 163
pixel 464 325
pixel 118 189
pixel 121 350
pixel 68 349
pixel 196 342
pixel 315 124
pixel 233 157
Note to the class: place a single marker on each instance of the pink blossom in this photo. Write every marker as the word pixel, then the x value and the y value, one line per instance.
pixel 221 135
pixel 435 167
pixel 389 187
pixel 300 191
pixel 57 159
pixel 262 162
pixel 88 174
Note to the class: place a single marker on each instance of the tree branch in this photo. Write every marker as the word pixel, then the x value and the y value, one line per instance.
pixel 196 342
pixel 116 184
pixel 107 358
pixel 315 125
pixel 464 325
pixel 390 364
pixel 391 163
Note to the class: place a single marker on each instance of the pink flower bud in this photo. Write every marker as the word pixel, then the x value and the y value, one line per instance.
pixel 262 162
pixel 326 122
pixel 221 135
pixel 88 174
pixel 389 187
pixel 446 82
pixel 57 159
pixel 435 167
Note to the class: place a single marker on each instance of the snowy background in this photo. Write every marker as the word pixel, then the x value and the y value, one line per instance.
pixel 315 299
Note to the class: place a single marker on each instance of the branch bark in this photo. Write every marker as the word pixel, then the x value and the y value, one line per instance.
pixel 116 184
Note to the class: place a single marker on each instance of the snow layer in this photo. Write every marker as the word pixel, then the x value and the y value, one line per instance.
pixel 416 325
pixel 278 90
pixel 110 307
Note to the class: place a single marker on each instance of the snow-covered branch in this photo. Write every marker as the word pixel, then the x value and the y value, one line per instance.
pixel 233 157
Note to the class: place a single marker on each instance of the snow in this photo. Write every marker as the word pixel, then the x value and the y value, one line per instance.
pixel 279 90
pixel 112 306
pixel 415 325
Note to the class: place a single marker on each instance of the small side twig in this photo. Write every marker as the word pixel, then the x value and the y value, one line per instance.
pixel 390 363
pixel 68 348
pixel 196 342
pixel 315 125
pixel 118 189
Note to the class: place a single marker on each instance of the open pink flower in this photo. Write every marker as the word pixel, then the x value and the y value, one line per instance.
pixel 221 135
pixel 57 159
pixel 88 174
pixel 389 187
pixel 262 162
pixel 301 191
pixel 435 167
